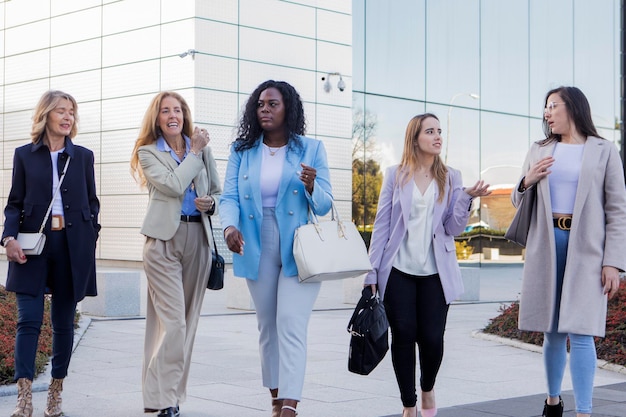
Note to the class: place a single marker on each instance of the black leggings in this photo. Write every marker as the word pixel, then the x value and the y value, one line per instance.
pixel 417 313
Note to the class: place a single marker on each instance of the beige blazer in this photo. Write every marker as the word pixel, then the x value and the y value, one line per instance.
pixel 596 239
pixel 167 182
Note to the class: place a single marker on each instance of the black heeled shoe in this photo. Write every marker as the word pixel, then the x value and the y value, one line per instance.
pixel 169 412
pixel 553 410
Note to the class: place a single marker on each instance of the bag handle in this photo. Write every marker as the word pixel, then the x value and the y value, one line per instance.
pixel 45 219
pixel 334 216
pixel 365 299
pixel 213 236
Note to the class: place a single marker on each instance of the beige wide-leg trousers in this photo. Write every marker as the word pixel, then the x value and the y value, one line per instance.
pixel 177 271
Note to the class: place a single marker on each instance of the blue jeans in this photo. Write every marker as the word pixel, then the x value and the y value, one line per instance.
pixel 582 347
pixel 30 310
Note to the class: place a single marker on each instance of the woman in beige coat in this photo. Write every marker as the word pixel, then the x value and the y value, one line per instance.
pixel 574 250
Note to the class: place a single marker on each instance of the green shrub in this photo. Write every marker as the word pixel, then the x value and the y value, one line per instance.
pixel 611 348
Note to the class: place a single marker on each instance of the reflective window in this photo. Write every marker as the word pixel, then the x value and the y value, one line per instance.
pixel 395 47
pixel 504 56
pixel 453 45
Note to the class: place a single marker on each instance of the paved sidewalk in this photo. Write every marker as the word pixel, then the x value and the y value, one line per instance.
pixel 480 376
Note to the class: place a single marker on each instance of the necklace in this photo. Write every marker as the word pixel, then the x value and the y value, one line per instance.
pixel 273 151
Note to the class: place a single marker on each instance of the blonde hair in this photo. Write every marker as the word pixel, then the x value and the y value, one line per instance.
pixel 408 162
pixel 48 102
pixel 150 130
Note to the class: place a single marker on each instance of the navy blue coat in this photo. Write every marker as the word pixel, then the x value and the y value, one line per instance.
pixel 28 201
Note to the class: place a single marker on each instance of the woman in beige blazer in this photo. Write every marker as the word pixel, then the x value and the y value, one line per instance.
pixel 574 250
pixel 172 160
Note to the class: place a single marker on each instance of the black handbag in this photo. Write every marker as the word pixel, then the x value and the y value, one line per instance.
pixel 368 327
pixel 216 278
pixel 518 230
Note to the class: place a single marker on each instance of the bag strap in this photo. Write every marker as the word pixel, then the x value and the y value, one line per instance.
pixel 45 219
pixel 213 236
pixel 363 302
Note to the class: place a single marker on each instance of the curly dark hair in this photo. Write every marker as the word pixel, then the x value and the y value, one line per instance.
pixel 249 128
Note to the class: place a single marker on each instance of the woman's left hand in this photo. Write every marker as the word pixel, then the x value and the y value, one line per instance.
pixel 480 189
pixel 204 204
pixel 307 176
pixel 610 280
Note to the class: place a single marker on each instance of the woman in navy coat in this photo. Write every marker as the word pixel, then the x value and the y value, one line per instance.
pixel 66 267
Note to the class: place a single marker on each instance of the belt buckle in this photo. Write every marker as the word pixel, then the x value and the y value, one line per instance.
pixel 58 222
pixel 564 223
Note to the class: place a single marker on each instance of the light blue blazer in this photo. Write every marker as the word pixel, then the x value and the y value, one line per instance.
pixel 241 204
pixel 449 219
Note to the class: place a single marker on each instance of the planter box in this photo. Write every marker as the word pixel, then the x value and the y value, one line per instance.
pixel 484 244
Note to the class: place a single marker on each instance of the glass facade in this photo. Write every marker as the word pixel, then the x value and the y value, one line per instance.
pixel 483 67
pixel 114 56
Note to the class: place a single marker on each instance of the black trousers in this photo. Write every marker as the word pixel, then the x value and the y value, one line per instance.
pixel 417 312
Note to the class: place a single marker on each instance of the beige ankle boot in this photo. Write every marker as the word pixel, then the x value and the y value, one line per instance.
pixel 53 405
pixel 24 407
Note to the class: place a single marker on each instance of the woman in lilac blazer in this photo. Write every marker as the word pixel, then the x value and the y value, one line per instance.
pixel 422 206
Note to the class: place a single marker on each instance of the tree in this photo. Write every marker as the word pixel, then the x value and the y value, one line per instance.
pixel 366 175
pixel 366 182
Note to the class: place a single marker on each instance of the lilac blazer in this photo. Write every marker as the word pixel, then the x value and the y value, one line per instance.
pixel 449 219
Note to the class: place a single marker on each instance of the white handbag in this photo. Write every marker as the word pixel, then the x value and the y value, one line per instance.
pixel 329 250
pixel 32 243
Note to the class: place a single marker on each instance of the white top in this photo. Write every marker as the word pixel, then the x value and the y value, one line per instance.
pixel 57 206
pixel 563 180
pixel 416 255
pixel 271 172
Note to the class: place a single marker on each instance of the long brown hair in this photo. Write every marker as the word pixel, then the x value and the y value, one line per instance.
pixel 410 153
pixel 150 130
pixel 48 102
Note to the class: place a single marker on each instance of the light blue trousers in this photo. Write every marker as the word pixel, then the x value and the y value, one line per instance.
pixel 283 308
pixel 582 347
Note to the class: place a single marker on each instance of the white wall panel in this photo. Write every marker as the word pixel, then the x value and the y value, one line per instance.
pixel 177 73
pixel 74 27
pixel 216 107
pixel 90 116
pixel 178 37
pixel 278 49
pixel 90 141
pixel 120 244
pixel 117 180
pixel 341 181
pixel 130 79
pixel 117 145
pixel 75 57
pixel 177 10
pixel 334 27
pixel 216 73
pixel 23 12
pixel 220 10
pixel 22 96
pixel 128 15
pixel 30 37
pixel 83 86
pixel 58 7
pixel 334 121
pixel 27 66
pixel 135 46
pixel 123 211
pixel 261 14
pixel 216 38
pixel 124 113
pixel 339 151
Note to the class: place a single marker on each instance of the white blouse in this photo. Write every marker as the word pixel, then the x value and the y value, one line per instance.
pixel 416 255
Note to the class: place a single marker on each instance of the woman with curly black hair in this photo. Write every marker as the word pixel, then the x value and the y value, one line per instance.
pixel 274 175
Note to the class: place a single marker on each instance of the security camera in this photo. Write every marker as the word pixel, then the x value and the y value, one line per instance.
pixel 341 85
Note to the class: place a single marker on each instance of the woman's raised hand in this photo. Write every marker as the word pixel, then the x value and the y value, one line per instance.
pixel 480 189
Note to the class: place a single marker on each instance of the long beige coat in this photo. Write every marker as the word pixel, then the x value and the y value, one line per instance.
pixel 597 239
